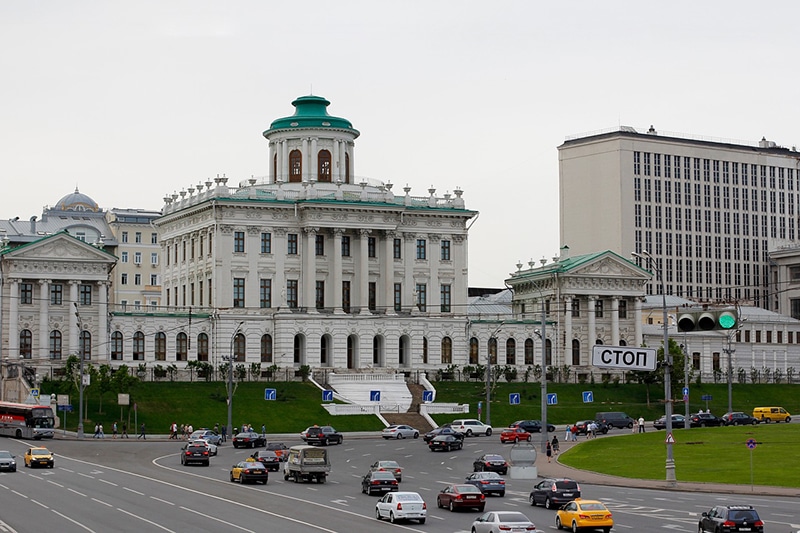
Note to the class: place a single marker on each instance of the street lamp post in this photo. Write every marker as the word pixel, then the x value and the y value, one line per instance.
pixel 230 380
pixel 80 371
pixel 670 465
pixel 544 378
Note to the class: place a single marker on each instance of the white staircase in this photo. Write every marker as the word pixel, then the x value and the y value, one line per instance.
pixel 358 389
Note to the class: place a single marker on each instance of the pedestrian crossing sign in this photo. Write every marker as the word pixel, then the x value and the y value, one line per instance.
pixel 670 439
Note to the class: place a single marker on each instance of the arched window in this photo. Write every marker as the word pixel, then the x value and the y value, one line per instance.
pixel 528 351
pixel 275 168
pixel 202 347
pixel 511 352
pixel 324 166
pixel 182 347
pixel 576 352
pixel 116 345
pixel 25 344
pixel 473 351
pixel 323 350
pixel 377 349
pixel 622 342
pixel 447 351
pixel 295 166
pixel 55 344
pixel 85 347
pixel 492 347
pixel 347 168
pixel 424 350
pixel 299 350
pixel 351 351
pixel 138 346
pixel 161 346
pixel 266 348
pixel 548 352
pixel 239 347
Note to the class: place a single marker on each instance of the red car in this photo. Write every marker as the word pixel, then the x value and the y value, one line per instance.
pixel 460 496
pixel 514 434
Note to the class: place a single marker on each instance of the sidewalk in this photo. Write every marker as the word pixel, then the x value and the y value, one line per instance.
pixel 557 469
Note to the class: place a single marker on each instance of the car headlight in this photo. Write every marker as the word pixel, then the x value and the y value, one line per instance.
pixel 13 463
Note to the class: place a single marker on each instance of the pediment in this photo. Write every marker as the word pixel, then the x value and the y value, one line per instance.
pixel 609 266
pixel 60 248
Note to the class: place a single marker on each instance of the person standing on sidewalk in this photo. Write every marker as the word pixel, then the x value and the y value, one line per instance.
pixel 641 424
pixel 549 451
pixel 555 445
pixel 141 433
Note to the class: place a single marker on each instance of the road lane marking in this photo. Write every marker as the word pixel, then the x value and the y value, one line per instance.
pixel 56 484
pixel 76 492
pixel 102 502
pixel 134 491
pixel 20 494
pixel 209 517
pixel 162 500
pixel 101 480
pixel 65 517
pixel 85 475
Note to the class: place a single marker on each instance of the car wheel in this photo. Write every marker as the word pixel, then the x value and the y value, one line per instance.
pixel 532 500
pixel 502 494
pixel 787 419
pixel 754 422
pixel 400 436
pixel 391 517
pixel 452 507
pixel 558 522
pixel 488 432
pixel 377 513
pixel 421 520
pixel 416 435
pixel 606 530
pixel 574 527
pixel 548 504
pixel 232 480
pixel 516 440
pixel 469 433
pixel 702 424
pixel 529 438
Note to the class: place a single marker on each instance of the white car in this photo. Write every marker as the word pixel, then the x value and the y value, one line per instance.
pixel 212 448
pixel 471 427
pixel 511 521
pixel 401 506
pixel 399 431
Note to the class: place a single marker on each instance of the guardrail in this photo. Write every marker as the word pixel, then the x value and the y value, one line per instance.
pixel 443 408
pixel 332 377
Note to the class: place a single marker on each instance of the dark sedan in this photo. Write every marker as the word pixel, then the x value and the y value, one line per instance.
pixel 446 443
pixel 443 430
pixel 280 449
pixel 554 492
pixel 738 419
pixel 378 481
pixel 490 462
pixel 249 439
pixel 583 427
pixel 269 459
pixel 532 426
pixel 677 422
pixel 488 482
pixel 461 496
pixel 701 420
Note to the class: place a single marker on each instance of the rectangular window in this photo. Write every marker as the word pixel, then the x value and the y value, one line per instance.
pixel 191 249
pixel 397 249
pixel 266 243
pixel 137 279
pixel 124 257
pixel 398 296
pixel 124 279
pixel 154 238
pixel 85 294
pixel 124 236
pixel 576 308
pixel 345 246
pixel 372 247
pixel 422 296
pixel 421 249
pixel 238 292
pixel 623 309
pixel 137 258
pixel 346 296
pixel 598 308
pixel 445 295
pixel 373 296
pixel 320 295
pixel 138 237
pixel 153 279
pixel 265 293
pixel 56 294
pixel 154 258
pixel 26 293
pixel 291 244
pixel 445 250
pixel 238 242
pixel 292 293
pixel 319 245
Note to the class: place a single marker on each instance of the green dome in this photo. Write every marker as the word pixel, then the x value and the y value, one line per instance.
pixel 310 112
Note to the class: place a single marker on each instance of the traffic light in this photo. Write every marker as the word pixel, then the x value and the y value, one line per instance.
pixel 708 320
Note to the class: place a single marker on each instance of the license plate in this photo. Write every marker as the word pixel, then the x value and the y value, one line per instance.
pixel 567 494
pixel 472 497
pixel 744 529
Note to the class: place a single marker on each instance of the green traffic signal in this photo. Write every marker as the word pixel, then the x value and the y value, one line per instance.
pixel 708 320
pixel 727 320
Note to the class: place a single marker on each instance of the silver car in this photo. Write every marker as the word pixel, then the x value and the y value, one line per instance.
pixel 510 521
pixel 399 431
pixel 7 461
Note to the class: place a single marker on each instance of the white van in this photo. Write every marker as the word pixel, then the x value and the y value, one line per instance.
pixel 471 427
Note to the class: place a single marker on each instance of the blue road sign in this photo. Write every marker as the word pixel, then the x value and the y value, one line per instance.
pixel 374 395
pixel 686 391
pixel 35 393
pixel 588 396
pixel 706 397
pixel 751 443
pixel 327 396
pixel 552 398
pixel 514 398
pixel 427 396
pixel 64 408
pixel 270 394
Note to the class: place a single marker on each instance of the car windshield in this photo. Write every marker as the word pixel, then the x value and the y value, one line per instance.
pixel 408 497
pixel 494 457
pixel 750 516
pixel 506 516
pixel 5 455
pixel 251 466
pixel 467 488
pixel 593 507
pixel 382 475
pixel 389 464
pixel 489 475
pixel 40 451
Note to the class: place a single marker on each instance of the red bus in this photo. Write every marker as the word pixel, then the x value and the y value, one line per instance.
pixel 26 421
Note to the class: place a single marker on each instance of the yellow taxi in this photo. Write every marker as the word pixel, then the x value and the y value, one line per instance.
pixel 584 514
pixel 38 457
pixel 249 471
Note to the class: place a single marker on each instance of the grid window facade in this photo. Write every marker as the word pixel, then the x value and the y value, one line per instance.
pixel 238 292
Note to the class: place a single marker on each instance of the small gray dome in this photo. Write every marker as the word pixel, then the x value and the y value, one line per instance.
pixel 77 202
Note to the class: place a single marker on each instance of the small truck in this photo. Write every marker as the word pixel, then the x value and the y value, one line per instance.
pixel 306 463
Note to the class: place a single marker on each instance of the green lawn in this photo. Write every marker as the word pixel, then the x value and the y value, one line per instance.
pixel 718 455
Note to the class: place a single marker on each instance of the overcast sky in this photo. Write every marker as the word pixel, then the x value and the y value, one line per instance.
pixel 130 101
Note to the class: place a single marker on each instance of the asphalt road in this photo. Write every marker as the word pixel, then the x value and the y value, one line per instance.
pixel 141 486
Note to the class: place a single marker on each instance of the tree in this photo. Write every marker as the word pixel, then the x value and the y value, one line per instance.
pixel 103 378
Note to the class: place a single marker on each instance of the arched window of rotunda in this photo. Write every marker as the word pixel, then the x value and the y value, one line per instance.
pixel 324 166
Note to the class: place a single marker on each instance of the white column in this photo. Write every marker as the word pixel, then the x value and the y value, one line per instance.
pixel 638 321
pixel 102 322
pixel 44 319
pixel 348 148
pixel 13 321
pixel 434 256
pixel 272 161
pixel 363 275
pixel 310 271
pixel 615 321
pixel 388 273
pixel 460 286
pixel 313 171
pixel 335 171
pixel 284 166
pixel 592 322
pixel 408 261
pixel 568 327
pixel 279 253
pixel 342 160
pixel 73 333
pixel 306 161
pixel 336 274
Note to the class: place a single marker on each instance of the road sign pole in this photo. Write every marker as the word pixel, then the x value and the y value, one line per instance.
pixel 751 469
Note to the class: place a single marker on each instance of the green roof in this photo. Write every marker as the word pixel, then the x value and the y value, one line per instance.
pixel 310 112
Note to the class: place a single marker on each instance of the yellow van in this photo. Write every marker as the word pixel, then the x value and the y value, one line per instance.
pixel 771 414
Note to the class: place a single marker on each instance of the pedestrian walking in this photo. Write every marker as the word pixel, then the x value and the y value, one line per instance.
pixel 635 427
pixel 100 432
pixel 114 430
pixel 641 424
pixel 555 445
pixel 224 433
pixel 264 430
pixel 568 434
pixel 96 431
pixel 549 451
pixel 125 431
pixel 141 433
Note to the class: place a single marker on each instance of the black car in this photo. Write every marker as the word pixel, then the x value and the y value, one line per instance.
pixel 442 430
pixel 554 492
pixel 378 481
pixel 490 462
pixel 727 518
pixel 323 435
pixel 269 459
pixel 677 422
pixel 446 443
pixel 195 453
pixel 249 439
pixel 532 426
pixel 583 427
pixel 280 449
pixel 738 418
pixel 701 420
